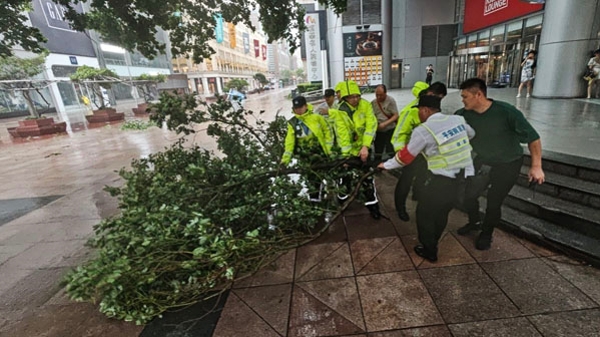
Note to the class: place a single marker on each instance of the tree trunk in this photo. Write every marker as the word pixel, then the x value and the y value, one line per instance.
pixel 32 110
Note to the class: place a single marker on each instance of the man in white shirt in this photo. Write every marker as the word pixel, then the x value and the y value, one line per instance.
pixel 444 141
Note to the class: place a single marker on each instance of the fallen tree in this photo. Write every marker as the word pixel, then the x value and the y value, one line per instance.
pixel 192 220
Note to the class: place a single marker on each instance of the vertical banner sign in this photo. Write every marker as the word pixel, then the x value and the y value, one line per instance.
pixel 219 28
pixel 264 52
pixel 363 58
pixel 312 38
pixel 246 39
pixel 256 48
pixel 232 36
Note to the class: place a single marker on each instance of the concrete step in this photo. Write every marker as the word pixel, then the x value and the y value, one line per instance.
pixel 586 169
pixel 550 234
pixel 570 215
pixel 566 188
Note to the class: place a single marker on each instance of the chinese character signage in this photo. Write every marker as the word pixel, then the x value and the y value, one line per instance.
pixel 232 36
pixel 312 38
pixel 485 13
pixel 363 61
pixel 219 28
pixel 264 52
pixel 246 39
pixel 256 48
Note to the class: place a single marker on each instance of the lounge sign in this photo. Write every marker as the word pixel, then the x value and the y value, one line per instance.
pixel 492 6
pixel 481 14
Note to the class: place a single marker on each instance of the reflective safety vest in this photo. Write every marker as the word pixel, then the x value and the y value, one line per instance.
pixel 364 122
pixel 453 146
pixel 307 130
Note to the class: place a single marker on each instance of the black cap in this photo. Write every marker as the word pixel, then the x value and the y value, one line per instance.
pixel 597 51
pixel 298 102
pixel 329 93
pixel 429 101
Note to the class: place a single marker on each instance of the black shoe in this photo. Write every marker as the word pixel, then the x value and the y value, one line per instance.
pixel 403 215
pixel 424 253
pixel 468 228
pixel 375 213
pixel 484 241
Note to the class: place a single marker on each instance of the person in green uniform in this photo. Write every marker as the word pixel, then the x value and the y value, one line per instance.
pixel 308 139
pixel 500 130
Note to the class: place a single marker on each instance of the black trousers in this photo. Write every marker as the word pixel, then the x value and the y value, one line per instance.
pixel 435 203
pixel 502 178
pixel 383 144
pixel 417 171
pixel 368 192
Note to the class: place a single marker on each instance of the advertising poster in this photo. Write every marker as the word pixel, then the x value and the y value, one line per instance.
pixel 264 52
pixel 363 61
pixel 49 18
pixel 312 39
pixel 256 48
pixel 246 39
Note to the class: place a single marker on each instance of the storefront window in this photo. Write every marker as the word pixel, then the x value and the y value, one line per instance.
pixel 514 31
pixel 67 93
pixel 497 34
pixel 472 41
pixel 533 26
pixel 462 43
pixel 483 38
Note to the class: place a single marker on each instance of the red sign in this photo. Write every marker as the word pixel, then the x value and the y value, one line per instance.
pixel 485 13
pixel 256 48
pixel 264 52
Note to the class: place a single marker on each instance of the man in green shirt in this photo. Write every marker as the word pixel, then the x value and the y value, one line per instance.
pixel 500 130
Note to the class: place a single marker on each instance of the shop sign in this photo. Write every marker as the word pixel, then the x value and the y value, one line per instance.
pixel 492 6
pixel 49 17
pixel 312 45
pixel 264 52
pixel 480 14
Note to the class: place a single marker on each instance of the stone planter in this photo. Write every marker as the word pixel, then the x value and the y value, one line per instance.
pixel 37 127
pixel 105 115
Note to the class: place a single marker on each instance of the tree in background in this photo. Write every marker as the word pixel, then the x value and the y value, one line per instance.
pixel 132 24
pixel 286 76
pixel 97 79
pixel 146 82
pixel 16 74
pixel 300 74
pixel 237 84
pixel 262 79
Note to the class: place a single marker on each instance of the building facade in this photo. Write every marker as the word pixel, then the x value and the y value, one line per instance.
pixel 240 54
pixel 496 35
pixel 390 42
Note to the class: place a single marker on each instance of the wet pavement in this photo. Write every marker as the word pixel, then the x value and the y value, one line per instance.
pixel 360 279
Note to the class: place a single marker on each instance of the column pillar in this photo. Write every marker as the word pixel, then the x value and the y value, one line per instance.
pixel 569 33
pixel 335 48
pixel 205 86
pixel 386 20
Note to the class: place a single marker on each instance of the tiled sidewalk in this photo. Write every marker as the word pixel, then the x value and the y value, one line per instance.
pixel 363 279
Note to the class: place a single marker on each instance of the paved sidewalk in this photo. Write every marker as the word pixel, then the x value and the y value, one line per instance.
pixel 362 277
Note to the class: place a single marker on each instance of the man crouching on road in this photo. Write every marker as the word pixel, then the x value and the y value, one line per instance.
pixel 444 141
